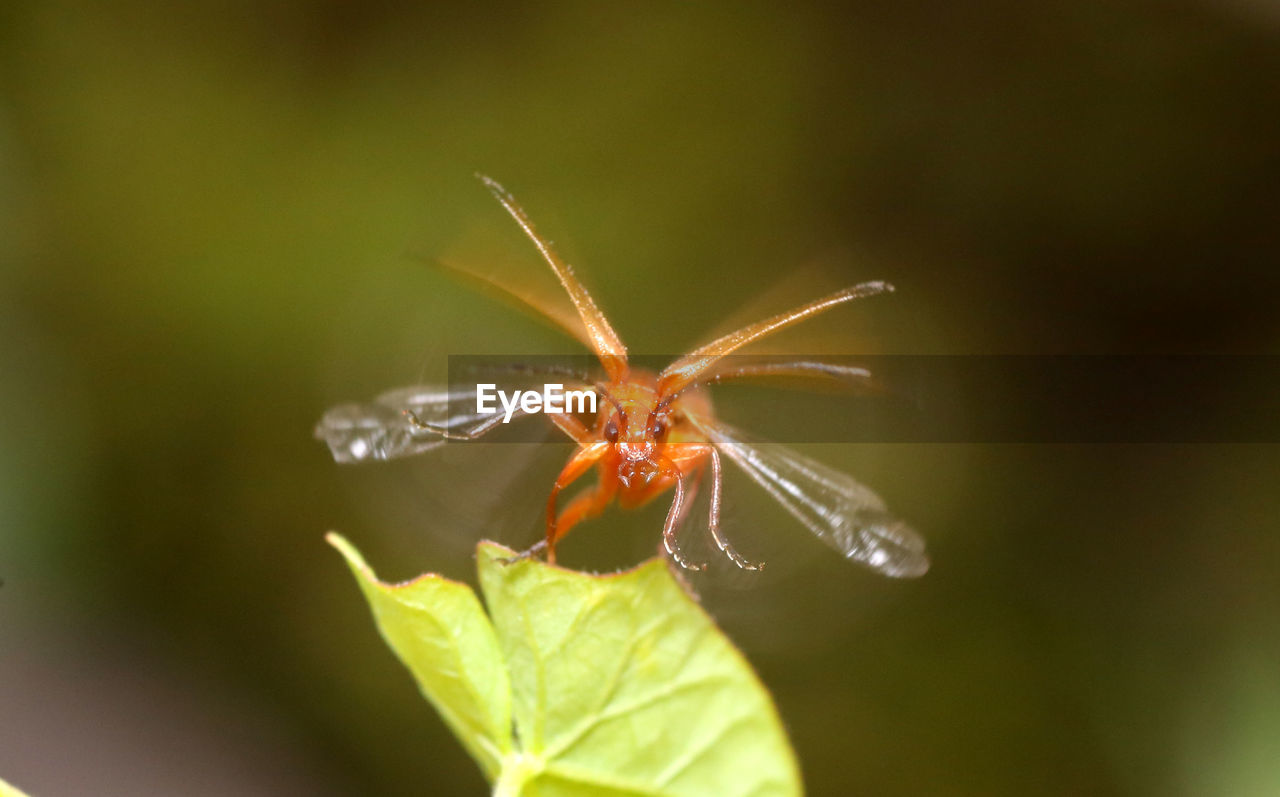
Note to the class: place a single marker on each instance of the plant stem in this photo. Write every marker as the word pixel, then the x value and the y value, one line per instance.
pixel 517 769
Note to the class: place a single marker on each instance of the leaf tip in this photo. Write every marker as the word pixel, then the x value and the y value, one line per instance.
pixel 489 553
pixel 354 560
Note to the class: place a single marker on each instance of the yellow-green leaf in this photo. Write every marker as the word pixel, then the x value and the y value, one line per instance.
pixel 622 684
pixel 617 684
pixel 439 630
pixel 8 791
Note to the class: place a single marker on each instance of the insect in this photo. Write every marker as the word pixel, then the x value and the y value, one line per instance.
pixel 653 432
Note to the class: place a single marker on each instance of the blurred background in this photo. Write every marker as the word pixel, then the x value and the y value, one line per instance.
pixel 209 221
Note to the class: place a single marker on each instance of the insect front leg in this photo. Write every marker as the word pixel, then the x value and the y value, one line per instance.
pixel 587 505
pixel 582 461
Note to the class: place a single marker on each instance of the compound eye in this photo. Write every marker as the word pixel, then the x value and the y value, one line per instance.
pixel 611 431
pixel 659 429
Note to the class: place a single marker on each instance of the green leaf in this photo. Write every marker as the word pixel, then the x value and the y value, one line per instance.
pixel 617 684
pixel 439 630
pixel 8 791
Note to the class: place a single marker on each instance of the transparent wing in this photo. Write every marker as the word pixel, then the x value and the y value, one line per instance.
pixel 842 512
pixel 383 428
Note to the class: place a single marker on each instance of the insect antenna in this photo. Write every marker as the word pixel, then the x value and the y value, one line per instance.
pixel 604 391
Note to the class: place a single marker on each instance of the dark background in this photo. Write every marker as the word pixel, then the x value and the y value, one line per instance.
pixel 206 222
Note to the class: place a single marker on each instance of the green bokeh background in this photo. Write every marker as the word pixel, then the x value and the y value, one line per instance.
pixel 205 217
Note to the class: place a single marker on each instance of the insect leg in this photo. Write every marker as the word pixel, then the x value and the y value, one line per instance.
pixel 713 521
pixel 674 515
pixel 690 498
pixel 469 434
pixel 568 424
pixel 583 507
pixel 582 461
pixel 587 505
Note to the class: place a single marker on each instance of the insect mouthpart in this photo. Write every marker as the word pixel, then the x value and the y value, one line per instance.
pixel 636 472
pixel 636 452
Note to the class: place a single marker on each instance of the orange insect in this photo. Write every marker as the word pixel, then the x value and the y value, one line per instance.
pixel 654 432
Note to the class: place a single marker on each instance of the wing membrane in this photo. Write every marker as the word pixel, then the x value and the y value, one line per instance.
pixel 382 429
pixel 842 512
